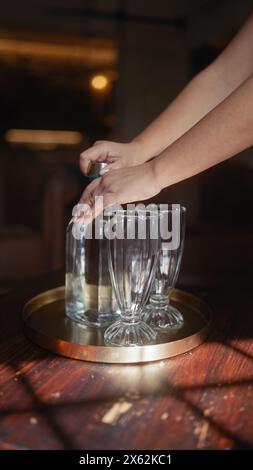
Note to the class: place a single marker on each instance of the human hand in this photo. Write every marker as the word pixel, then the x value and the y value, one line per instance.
pixel 120 187
pixel 115 154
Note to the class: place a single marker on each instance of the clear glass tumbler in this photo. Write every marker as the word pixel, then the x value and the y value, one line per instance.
pixel 89 297
pixel 132 262
pixel 159 313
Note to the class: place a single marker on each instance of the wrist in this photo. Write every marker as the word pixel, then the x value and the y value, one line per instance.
pixel 141 151
pixel 155 177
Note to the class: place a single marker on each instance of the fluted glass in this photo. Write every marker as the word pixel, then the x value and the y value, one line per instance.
pixel 160 314
pixel 132 263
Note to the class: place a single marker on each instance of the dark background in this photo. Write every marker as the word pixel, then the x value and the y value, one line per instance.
pixel 50 50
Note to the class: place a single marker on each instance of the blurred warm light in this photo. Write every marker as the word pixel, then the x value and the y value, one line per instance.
pixel 99 82
pixel 43 139
pixel 90 52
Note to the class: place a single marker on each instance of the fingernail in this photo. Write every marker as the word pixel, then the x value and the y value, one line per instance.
pixel 103 171
pixel 82 220
pixel 82 212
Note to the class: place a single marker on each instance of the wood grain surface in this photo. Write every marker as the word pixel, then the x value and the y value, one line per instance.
pixel 200 400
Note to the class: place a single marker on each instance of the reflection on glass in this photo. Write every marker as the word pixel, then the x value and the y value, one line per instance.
pixel 89 295
pixel 132 263
pixel 159 313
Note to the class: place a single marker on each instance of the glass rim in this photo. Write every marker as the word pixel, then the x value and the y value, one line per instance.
pixel 132 213
pixel 172 209
pixel 149 211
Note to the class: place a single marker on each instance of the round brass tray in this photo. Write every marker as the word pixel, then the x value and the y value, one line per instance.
pixel 45 323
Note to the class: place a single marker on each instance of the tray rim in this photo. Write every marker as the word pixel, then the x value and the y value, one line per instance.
pixel 116 355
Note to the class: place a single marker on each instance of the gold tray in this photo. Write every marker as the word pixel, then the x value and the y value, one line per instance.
pixel 45 323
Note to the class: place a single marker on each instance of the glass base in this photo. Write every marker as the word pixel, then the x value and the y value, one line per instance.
pixel 163 318
pixel 92 318
pixel 129 334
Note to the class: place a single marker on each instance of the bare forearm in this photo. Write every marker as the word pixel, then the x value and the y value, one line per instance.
pixel 202 94
pixel 222 133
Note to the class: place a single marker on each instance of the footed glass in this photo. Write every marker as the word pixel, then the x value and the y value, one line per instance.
pixel 132 263
pixel 159 313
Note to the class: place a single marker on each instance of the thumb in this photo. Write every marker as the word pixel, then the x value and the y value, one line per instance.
pixel 98 152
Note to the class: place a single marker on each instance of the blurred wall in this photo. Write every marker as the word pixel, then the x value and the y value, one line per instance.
pixel 148 50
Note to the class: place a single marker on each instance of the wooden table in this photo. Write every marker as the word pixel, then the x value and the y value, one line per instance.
pixel 200 400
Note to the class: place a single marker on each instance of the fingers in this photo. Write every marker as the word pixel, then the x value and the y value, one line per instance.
pixel 95 198
pixel 88 156
pixel 89 190
pixel 110 166
pixel 100 203
pixel 87 202
pixel 101 151
pixel 98 152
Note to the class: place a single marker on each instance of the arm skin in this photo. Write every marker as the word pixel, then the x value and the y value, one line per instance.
pixel 223 132
pixel 211 86
pixel 203 128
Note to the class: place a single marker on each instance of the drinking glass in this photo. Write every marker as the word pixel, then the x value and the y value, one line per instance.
pixel 89 298
pixel 132 261
pixel 159 313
